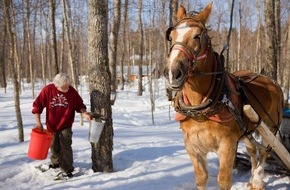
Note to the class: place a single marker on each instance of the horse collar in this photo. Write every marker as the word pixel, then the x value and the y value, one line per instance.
pixel 210 105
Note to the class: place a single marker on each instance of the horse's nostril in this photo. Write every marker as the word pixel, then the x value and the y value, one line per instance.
pixel 178 74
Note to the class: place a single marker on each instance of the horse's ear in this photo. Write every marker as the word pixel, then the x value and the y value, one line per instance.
pixel 181 13
pixel 203 16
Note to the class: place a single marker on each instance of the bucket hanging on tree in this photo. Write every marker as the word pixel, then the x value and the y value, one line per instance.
pixel 95 131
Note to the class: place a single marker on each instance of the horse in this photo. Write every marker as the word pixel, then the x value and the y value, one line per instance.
pixel 209 101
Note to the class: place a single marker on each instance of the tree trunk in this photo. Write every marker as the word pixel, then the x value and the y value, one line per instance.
pixel 99 83
pixel 270 67
pixel 124 50
pixel 29 47
pixel 166 44
pixel 70 46
pixel 257 67
pixel 229 35
pixel 42 50
pixel 14 61
pixel 114 43
pixel 173 7
pixel 239 64
pixel 286 73
pixel 62 48
pixel 3 35
pixel 150 78
pixel 278 39
pixel 140 32
pixel 55 68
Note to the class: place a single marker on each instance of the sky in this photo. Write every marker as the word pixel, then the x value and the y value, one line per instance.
pixel 145 156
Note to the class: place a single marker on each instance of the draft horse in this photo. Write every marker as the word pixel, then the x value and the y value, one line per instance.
pixel 209 102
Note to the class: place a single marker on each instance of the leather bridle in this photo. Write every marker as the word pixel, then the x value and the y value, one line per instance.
pixel 192 55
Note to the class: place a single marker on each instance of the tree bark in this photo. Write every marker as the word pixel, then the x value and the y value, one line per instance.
pixel 257 67
pixel 166 44
pixel 14 61
pixel 278 39
pixel 99 83
pixel 55 67
pixel 114 43
pixel 140 33
pixel 239 64
pixel 31 70
pixel 124 50
pixel 3 35
pixel 173 7
pixel 229 35
pixel 70 45
pixel 150 77
pixel 286 73
pixel 270 67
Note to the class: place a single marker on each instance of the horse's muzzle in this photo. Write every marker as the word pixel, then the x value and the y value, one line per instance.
pixel 175 79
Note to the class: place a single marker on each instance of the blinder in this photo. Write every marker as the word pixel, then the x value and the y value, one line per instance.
pixel 168 31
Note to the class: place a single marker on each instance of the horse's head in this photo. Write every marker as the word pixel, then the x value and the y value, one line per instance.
pixel 190 45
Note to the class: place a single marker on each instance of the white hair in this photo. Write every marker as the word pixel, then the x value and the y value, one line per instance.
pixel 61 79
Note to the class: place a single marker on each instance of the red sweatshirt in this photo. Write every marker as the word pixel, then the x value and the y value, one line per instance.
pixel 60 107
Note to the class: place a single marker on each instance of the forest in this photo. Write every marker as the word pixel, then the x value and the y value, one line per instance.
pixel 41 38
pixel 53 33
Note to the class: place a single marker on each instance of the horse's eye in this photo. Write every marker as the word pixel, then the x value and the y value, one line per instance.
pixel 196 38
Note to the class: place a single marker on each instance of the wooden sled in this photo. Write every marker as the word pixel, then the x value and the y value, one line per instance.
pixel 268 136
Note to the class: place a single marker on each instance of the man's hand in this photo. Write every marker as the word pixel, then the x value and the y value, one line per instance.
pixel 39 126
pixel 87 116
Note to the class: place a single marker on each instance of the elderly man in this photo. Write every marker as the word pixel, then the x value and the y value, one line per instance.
pixel 61 102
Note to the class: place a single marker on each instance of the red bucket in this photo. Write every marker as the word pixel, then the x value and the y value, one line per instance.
pixel 39 144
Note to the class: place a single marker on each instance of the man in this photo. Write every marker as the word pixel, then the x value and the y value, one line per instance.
pixel 61 101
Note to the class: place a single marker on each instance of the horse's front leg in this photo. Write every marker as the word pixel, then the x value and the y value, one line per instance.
pixel 200 170
pixel 226 154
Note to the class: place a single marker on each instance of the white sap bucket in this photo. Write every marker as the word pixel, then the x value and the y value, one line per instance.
pixel 96 128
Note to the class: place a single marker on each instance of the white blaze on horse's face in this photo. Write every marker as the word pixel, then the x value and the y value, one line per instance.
pixel 182 32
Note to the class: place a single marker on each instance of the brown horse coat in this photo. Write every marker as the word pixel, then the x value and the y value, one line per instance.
pixel 192 71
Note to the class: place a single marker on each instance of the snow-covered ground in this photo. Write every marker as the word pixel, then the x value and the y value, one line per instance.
pixel 145 156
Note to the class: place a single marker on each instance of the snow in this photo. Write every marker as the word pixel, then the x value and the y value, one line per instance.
pixel 145 156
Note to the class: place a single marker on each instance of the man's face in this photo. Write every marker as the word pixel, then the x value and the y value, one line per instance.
pixel 64 88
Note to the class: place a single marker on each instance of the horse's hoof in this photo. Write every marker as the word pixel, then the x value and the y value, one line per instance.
pixel 251 187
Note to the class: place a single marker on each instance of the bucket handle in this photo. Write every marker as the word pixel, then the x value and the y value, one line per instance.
pixel 42 130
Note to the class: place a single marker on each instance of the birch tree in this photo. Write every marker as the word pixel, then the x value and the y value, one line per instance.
pixel 114 43
pixel 278 39
pixel 3 36
pixel 13 57
pixel 124 44
pixel 66 6
pixel 55 67
pixel 29 44
pixel 270 67
pixel 140 37
pixel 258 41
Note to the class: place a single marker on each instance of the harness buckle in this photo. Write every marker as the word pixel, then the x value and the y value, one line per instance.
pixel 225 100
